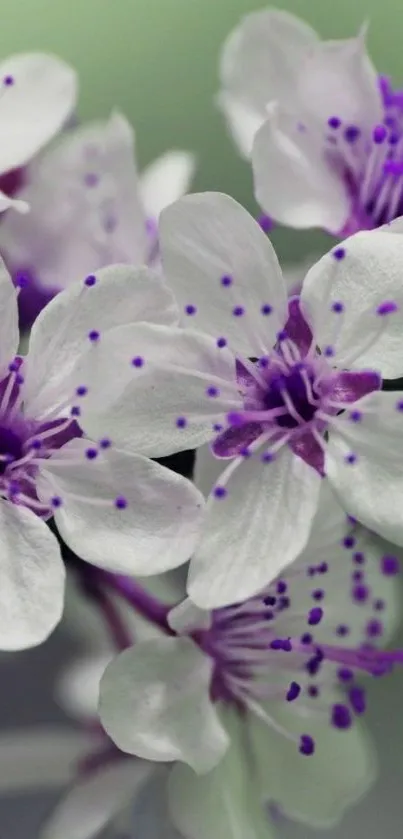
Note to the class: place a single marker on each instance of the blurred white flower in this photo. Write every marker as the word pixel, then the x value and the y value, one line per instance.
pixel 89 209
pixel 326 130
pixel 241 690
pixel 103 500
pixel 37 95
pixel 286 391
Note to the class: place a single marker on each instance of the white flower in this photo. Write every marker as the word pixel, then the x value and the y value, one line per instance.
pixel 89 209
pixel 329 152
pixel 37 95
pixel 285 391
pixel 239 692
pixel 118 511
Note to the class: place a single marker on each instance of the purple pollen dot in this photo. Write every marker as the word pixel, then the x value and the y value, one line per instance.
pixel 379 605
pixel 357 576
pixel 348 542
pixel 350 459
pixel 357 699
pixel 36 444
pixel 267 457
pixel 315 616
pixel 238 311
pixel 389 565
pixel 56 501
pixel 351 133
pixel 318 594
pixel 19 379
pixel 379 134
pixel 226 280
pixel 328 351
pixel 306 638
pixel 266 223
pixel 90 280
pixel 399 405
pixel 337 307
pixel 75 411
pixel 266 309
pixel 282 335
pixel 264 362
pixel 341 716
pixel 190 310
pixel 342 630
pixel 313 691
pixel 14 366
pixel 221 342
pixel 359 558
pixel 283 644
pixel 293 692
pixel 105 443
pixel 217 427
pixel 93 335
pixel 8 81
pixel 245 452
pixel 374 628
pixel 306 745
pixel 220 492
pixel 334 122
pixel 388 307
pixel 212 391
pixel 82 390
pixel 355 416
pixel 181 422
pixel 360 593
pixel 269 600
pixel 344 674
pixel 281 587
pixel 322 568
pixel 120 502
pixel 339 253
pixel 235 418
pixel 137 361
pixel 91 454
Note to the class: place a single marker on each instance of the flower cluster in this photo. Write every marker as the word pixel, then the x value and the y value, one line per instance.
pixel 161 328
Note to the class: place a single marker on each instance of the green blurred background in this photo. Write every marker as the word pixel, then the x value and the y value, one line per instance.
pixel 156 60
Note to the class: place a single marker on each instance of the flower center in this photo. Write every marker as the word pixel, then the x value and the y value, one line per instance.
pixel 370 163
pixel 288 391
pixel 11 447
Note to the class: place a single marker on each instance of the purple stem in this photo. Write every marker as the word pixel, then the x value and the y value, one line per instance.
pixel 113 619
pixel 142 601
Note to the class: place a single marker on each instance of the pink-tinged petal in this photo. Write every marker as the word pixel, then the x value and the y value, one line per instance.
pixel 308 448
pixel 296 327
pixel 232 441
pixel 353 300
pixel 294 182
pixel 349 385
pixel 223 271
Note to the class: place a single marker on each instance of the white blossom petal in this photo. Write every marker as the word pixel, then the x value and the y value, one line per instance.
pixel 148 388
pixel 42 757
pixel 120 295
pixel 86 207
pixel 32 578
pixel 9 311
pixel 77 690
pixel 316 790
pixel 122 512
pixel 262 58
pixel 369 275
pixel 34 106
pixel 340 76
pixel 155 704
pixel 256 530
pixel 150 816
pixel 218 261
pixel 186 616
pixel 364 463
pixel 243 122
pixel 95 800
pixel 225 801
pixel 294 182
pixel 165 180
pixel 15 203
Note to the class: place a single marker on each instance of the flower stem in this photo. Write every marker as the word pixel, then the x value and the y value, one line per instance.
pixel 144 603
